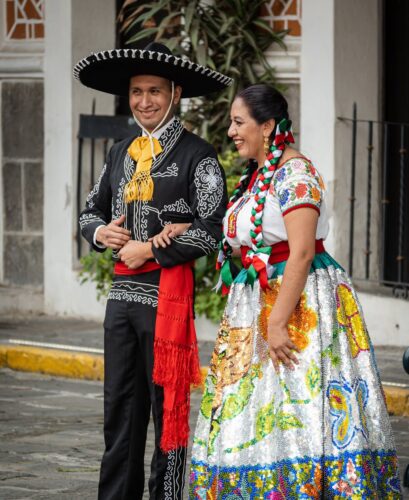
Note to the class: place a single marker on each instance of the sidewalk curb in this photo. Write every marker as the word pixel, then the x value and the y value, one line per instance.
pixel 52 362
pixel 397 400
pixel 70 364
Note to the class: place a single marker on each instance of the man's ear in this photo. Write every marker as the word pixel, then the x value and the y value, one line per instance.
pixel 268 127
pixel 178 93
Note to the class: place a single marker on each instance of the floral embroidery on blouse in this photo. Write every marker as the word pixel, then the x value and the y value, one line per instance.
pixel 297 184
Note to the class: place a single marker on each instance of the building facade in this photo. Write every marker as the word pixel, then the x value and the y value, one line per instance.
pixel 339 52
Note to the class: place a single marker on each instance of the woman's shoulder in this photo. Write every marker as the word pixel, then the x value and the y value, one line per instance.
pixel 292 157
pixel 296 164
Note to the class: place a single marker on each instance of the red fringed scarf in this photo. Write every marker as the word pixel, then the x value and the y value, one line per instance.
pixel 176 360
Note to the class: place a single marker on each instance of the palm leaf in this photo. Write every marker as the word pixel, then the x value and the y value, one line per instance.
pixel 189 12
pixel 145 33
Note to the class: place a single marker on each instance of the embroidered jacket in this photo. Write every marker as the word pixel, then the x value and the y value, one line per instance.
pixel 189 186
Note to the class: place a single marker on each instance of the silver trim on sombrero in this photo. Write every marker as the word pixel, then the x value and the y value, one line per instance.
pixel 123 53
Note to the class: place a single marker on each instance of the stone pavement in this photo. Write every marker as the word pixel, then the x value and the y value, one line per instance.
pixel 51 437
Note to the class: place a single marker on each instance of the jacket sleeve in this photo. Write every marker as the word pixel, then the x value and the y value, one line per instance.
pixel 207 200
pixel 97 210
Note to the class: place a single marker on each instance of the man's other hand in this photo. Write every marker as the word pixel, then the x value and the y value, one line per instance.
pixel 134 254
pixel 113 235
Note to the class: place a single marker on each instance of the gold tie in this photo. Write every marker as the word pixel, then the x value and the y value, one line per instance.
pixel 140 187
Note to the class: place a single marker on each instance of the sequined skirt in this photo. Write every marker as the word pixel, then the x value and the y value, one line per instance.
pixel 320 431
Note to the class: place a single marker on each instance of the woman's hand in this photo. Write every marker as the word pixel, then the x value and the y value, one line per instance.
pixel 280 346
pixel 301 226
pixel 163 239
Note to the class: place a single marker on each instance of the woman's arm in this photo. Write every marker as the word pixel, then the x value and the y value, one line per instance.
pixel 163 239
pixel 301 226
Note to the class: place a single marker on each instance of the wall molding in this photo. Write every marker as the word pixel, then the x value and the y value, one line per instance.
pixel 287 62
pixel 14 65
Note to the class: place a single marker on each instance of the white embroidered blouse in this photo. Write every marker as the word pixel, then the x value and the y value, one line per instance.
pixel 295 184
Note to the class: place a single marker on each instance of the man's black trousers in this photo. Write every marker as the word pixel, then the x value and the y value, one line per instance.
pixel 129 396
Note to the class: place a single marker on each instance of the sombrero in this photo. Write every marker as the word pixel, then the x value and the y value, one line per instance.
pixel 110 71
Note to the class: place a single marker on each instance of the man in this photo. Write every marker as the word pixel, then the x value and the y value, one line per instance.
pixel 166 175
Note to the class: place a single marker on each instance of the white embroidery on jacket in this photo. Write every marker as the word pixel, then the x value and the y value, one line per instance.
pixel 198 238
pixel 179 206
pixel 171 171
pixel 118 204
pixel 87 219
pixel 209 185
pixel 95 189
pixel 129 167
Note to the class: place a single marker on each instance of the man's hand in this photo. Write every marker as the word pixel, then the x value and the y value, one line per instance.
pixel 163 239
pixel 135 253
pixel 113 235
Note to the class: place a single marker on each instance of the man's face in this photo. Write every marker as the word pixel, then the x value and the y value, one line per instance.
pixel 149 99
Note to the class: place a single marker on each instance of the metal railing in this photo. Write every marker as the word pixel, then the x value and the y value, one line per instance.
pixel 392 235
pixel 96 133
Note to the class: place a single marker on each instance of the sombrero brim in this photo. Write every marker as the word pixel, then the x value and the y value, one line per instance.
pixel 110 71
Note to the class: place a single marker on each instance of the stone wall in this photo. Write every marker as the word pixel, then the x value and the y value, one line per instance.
pixel 22 108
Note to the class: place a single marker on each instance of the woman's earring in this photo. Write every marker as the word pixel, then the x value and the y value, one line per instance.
pixel 266 145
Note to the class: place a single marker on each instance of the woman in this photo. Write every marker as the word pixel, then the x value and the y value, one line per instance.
pixel 293 406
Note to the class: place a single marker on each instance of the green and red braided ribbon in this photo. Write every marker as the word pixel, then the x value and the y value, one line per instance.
pixel 258 255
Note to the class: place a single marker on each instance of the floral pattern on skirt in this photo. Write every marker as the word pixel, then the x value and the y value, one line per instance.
pixel 320 431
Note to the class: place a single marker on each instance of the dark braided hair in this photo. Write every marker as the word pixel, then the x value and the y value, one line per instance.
pixel 264 103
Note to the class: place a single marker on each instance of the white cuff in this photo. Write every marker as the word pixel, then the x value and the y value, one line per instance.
pixel 99 245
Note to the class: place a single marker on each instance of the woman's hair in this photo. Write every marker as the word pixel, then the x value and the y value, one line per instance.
pixel 264 103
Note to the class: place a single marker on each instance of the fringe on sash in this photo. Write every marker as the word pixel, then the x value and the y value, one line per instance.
pixel 176 358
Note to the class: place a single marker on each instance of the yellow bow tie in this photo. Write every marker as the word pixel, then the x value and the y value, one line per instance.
pixel 140 187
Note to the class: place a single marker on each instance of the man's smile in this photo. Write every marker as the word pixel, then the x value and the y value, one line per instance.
pixel 148 113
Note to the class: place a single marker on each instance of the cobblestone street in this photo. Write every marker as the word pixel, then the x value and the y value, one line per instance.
pixel 51 437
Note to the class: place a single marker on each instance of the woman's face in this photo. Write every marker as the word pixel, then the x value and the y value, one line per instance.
pixel 247 134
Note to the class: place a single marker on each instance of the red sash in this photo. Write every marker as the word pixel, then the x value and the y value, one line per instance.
pixel 175 358
pixel 279 252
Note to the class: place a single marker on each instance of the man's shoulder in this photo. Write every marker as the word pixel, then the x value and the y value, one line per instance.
pixel 198 145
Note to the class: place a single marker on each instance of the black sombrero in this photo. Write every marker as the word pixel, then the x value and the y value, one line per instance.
pixel 110 71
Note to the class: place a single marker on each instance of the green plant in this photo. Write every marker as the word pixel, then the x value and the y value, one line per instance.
pixel 98 268
pixel 229 36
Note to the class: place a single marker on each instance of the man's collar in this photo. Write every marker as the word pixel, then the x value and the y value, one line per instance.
pixel 160 131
